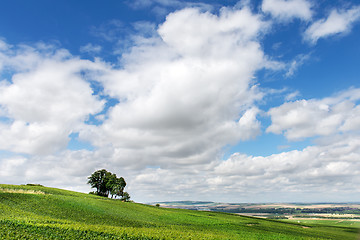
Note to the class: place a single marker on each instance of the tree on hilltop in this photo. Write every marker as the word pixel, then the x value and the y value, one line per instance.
pixel 108 183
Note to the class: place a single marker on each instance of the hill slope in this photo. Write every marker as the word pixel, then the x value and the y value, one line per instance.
pixel 36 212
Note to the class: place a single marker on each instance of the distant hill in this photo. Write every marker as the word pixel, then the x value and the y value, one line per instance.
pixel 259 207
pixel 37 212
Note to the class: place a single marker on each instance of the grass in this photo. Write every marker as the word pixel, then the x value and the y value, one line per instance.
pixel 60 214
pixel 328 222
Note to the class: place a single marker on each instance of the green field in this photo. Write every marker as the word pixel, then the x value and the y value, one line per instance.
pixel 36 212
pixel 328 222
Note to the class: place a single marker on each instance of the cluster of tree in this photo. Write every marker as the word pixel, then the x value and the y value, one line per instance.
pixel 331 210
pixel 107 183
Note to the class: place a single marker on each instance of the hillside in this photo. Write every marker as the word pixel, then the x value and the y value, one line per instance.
pixel 36 212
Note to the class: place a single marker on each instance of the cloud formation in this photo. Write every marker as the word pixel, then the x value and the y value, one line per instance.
pixel 185 89
pixel 310 174
pixel 45 100
pixel 90 48
pixel 338 22
pixel 185 94
pixel 316 117
pixel 177 103
pixel 160 6
pixel 296 64
pixel 285 10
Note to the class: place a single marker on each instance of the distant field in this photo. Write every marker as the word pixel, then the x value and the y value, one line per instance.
pixel 36 212
pixel 342 214
pixel 305 205
pixel 226 206
pixel 331 222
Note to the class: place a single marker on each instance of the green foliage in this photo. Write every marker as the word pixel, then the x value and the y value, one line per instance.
pixel 117 188
pixel 34 184
pixel 99 180
pixel 61 214
pixel 125 197
pixel 107 183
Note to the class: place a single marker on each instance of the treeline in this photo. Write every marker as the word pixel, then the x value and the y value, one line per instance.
pixel 335 210
pixel 107 183
pixel 257 210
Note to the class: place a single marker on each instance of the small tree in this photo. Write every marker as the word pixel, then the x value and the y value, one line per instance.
pixel 125 197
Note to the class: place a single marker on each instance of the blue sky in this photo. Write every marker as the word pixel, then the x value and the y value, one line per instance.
pixel 257 101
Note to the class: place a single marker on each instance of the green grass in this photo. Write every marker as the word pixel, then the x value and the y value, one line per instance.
pixel 36 212
pixel 329 222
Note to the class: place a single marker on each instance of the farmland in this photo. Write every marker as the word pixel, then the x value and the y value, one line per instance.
pixel 37 212
pixel 329 213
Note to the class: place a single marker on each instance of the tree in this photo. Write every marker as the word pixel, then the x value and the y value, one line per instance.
pixel 99 180
pixel 118 188
pixel 125 197
pixel 111 184
pixel 108 183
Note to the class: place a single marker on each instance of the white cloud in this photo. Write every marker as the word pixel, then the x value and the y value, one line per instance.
pixel 328 171
pixel 90 48
pixel 109 31
pixel 180 102
pixel 312 167
pixel 292 95
pixel 338 21
pixel 46 100
pixel 3 45
pixel 3 49
pixel 187 94
pixel 68 169
pixel 286 10
pixel 184 91
pixel 308 118
pixel 160 6
pixel 316 171
pixel 12 167
pixel 296 63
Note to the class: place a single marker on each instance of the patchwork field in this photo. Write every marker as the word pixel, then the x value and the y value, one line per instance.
pixel 36 212
pixel 334 214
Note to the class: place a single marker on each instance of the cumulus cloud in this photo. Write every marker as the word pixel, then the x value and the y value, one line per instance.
pixel 178 98
pixel 334 162
pixel 316 117
pixel 185 94
pixel 338 22
pixel 285 10
pixel 328 168
pixel 185 90
pixel 46 99
pixel 67 169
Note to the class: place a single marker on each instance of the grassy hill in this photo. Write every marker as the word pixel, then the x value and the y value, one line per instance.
pixel 36 212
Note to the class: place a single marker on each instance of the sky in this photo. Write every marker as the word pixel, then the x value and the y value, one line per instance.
pixel 225 101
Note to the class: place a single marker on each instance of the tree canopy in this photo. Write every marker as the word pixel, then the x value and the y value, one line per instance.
pixel 107 183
